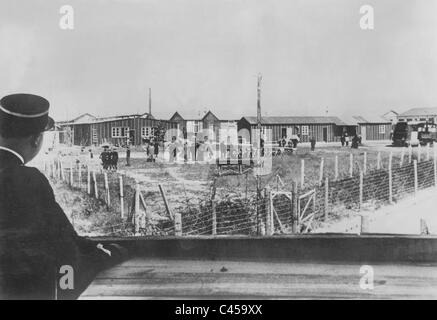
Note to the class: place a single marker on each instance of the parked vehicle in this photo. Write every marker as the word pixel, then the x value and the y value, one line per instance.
pixel 413 134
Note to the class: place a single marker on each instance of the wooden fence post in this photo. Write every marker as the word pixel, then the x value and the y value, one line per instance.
pixel 79 174
pixel 88 180
pixel 61 170
pixel 178 224
pixel 167 207
pixel 390 178
pixel 415 178
pixel 295 207
pixel 71 174
pixel 365 163
pixel 213 207
pixel 108 195
pixel 361 190
pixel 96 191
pixel 136 216
pixel 326 198
pixel 120 179
pixel 402 157
pixel 428 156
pixel 351 165
pixel 435 165
pixel 148 213
pixel 302 173
pixel 322 164
pixel 378 161
pixel 269 211
pixel 336 169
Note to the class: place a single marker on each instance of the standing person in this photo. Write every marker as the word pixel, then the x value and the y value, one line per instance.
pixel 127 156
pixel 313 143
pixel 37 241
pixel 150 151
pixel 115 159
pixel 282 144
pixel 173 149
pixel 355 140
pixel 91 154
pixel 104 156
pixel 294 139
pixel 346 139
pixel 111 159
pixel 156 148
pixel 342 140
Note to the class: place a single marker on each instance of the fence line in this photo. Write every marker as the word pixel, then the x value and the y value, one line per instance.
pixel 281 207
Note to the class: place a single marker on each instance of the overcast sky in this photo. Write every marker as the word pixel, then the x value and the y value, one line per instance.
pixel 205 54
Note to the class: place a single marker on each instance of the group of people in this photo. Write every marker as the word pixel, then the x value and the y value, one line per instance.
pixel 109 159
pixel 152 149
pixel 199 150
pixel 355 141
pixel 290 145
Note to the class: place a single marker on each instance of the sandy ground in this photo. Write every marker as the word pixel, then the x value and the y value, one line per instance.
pixel 400 218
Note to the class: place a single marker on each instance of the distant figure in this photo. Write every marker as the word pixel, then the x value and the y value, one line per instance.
pixel 354 144
pixel 114 159
pixel 313 143
pixel 173 150
pixel 104 157
pixel 346 139
pixel 150 152
pixel 295 140
pixel 127 156
pixel 91 154
pixel 342 140
pixel 156 148
pixel 262 142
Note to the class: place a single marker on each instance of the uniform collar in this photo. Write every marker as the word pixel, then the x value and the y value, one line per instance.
pixel 15 153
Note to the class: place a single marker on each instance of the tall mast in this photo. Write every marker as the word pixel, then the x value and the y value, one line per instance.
pixel 258 109
pixel 150 101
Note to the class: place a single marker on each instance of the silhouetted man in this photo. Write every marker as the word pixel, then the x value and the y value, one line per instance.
pixel 38 244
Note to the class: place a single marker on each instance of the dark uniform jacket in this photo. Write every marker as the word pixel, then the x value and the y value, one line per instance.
pixel 36 238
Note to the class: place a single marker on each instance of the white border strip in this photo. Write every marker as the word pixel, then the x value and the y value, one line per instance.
pixel 24 115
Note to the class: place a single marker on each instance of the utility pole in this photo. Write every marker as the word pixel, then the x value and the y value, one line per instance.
pixel 258 135
pixel 258 109
pixel 150 101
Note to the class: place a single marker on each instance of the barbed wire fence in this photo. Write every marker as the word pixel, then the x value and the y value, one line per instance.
pixel 351 182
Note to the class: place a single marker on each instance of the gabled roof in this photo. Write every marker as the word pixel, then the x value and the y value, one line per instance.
pixel 176 114
pixel 419 112
pixel 356 120
pixel 391 111
pixel 210 113
pixel 193 117
pixel 105 119
pixel 295 120
pixel 83 118
pixel 372 119
pixel 123 117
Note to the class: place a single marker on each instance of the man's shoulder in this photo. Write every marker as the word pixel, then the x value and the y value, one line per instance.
pixel 27 175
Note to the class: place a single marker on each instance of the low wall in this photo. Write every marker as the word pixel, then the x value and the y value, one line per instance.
pixel 308 248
